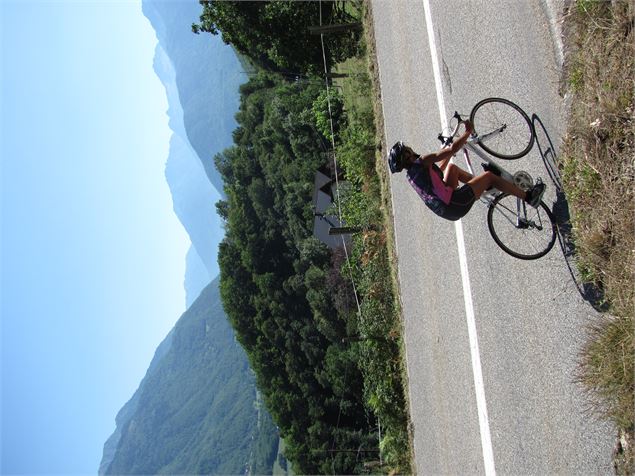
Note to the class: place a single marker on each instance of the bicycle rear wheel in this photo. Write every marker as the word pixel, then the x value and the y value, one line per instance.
pixel 504 129
pixel 519 229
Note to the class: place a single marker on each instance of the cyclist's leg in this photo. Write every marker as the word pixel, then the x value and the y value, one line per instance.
pixel 454 174
pixel 482 182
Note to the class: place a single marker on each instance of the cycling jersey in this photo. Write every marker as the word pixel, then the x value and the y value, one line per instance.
pixel 434 195
pixel 440 198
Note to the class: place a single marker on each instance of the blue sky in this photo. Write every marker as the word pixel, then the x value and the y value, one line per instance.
pixel 92 255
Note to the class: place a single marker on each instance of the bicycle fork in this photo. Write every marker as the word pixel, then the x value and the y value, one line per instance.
pixel 522 222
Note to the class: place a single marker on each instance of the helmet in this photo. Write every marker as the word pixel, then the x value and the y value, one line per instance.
pixel 395 156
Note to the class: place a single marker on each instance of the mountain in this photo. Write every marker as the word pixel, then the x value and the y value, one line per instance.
pixel 196 276
pixel 201 76
pixel 197 410
pixel 128 410
pixel 208 74
pixel 193 195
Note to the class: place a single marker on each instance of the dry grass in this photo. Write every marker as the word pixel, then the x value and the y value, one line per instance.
pixel 598 172
pixel 386 206
pixel 364 204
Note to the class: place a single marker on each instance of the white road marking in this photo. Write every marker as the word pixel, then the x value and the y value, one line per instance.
pixel 481 404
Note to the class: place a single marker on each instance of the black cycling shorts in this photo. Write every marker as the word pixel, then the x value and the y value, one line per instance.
pixel 460 203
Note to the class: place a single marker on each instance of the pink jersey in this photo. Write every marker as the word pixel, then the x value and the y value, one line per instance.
pixel 439 188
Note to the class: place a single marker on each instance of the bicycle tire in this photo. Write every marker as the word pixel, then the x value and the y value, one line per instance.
pixel 517 137
pixel 522 243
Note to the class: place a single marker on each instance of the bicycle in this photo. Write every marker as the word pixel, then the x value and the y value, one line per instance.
pixel 503 129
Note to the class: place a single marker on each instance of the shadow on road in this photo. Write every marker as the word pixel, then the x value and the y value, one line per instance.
pixel 560 209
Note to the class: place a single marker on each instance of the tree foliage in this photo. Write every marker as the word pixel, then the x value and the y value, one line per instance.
pixel 327 104
pixel 281 287
pixel 275 34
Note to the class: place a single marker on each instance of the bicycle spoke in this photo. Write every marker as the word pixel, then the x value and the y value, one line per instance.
pixel 506 212
pixel 522 231
pixel 503 128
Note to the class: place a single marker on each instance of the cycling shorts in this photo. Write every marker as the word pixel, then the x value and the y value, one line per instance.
pixel 460 203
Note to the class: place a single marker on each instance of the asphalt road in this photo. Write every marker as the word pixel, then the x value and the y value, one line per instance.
pixel 527 416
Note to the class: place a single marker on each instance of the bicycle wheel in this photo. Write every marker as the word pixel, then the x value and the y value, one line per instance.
pixel 519 229
pixel 504 129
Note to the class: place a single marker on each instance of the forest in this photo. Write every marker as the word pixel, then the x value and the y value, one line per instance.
pixel 282 289
pixel 287 295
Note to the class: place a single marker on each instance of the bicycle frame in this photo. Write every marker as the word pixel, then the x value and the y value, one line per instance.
pixel 521 230
pixel 522 220
pixel 471 145
pixel 489 195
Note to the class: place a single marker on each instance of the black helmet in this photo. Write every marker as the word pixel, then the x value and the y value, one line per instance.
pixel 395 157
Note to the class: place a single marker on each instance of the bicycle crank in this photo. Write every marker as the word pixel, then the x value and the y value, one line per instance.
pixel 523 180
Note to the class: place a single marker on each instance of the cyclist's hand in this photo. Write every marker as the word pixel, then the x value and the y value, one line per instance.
pixel 468 126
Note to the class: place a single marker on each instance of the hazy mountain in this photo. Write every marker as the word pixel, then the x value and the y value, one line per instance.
pixel 208 74
pixel 196 276
pixel 197 410
pixel 128 410
pixel 201 76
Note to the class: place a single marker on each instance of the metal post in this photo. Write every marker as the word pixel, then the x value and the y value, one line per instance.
pixel 344 230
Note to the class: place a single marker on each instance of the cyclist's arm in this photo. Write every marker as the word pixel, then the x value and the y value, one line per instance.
pixel 445 154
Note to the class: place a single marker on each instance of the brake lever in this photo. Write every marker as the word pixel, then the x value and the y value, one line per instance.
pixel 445 141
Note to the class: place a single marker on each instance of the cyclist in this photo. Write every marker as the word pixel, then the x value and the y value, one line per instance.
pixel 437 184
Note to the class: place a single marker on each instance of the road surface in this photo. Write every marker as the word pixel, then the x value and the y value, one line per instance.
pixel 491 341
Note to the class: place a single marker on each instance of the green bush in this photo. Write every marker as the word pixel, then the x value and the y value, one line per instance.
pixel 322 113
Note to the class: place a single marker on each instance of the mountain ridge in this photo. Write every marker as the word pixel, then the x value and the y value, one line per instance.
pixel 201 76
pixel 197 410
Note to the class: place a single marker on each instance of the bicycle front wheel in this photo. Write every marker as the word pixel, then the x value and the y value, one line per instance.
pixel 503 128
pixel 519 229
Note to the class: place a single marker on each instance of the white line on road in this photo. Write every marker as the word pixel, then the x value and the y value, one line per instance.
pixel 481 404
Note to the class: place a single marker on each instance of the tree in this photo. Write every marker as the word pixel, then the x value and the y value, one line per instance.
pixel 274 34
pixel 277 281
pixel 328 105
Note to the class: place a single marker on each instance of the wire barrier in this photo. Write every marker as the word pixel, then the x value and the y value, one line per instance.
pixel 339 213
pixel 337 184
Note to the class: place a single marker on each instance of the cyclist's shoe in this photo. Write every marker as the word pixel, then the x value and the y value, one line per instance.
pixel 534 196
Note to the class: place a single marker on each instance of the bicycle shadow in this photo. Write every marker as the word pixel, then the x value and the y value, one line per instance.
pixel 589 292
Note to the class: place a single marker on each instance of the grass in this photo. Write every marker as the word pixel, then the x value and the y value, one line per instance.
pixel 364 205
pixel 598 170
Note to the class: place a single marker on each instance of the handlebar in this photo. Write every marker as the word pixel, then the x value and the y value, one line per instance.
pixel 447 140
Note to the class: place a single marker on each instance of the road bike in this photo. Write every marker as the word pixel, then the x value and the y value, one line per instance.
pixel 503 129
